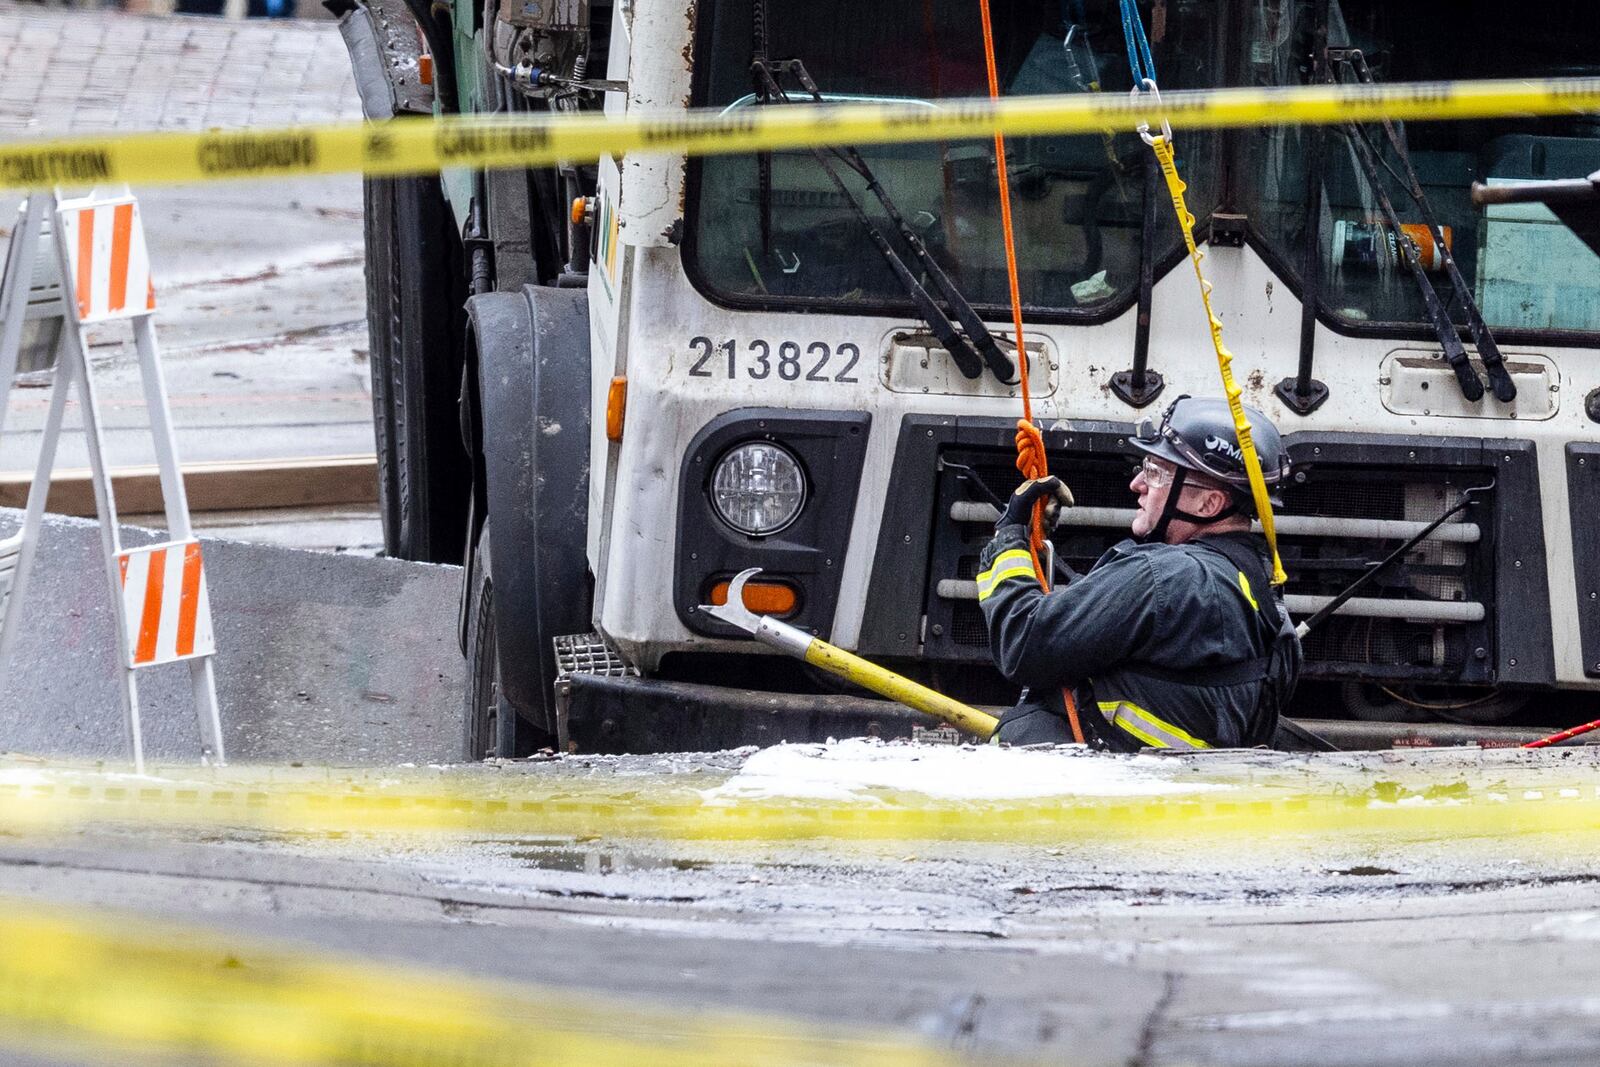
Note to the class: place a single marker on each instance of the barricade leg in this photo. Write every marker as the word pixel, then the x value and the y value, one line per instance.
pixel 74 367
pixel 20 255
pixel 176 501
pixel 202 678
pixel 33 517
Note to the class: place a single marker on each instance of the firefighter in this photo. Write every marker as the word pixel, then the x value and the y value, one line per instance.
pixel 1175 638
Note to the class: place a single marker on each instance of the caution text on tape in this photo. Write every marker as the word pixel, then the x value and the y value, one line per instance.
pixel 408 146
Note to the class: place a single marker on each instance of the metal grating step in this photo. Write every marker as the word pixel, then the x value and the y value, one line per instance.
pixel 588 653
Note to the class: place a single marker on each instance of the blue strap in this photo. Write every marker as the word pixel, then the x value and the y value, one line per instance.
pixel 1140 61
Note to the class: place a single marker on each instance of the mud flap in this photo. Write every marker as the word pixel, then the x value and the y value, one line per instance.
pixel 533 373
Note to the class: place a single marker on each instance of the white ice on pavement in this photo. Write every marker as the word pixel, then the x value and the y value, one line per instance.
pixel 859 768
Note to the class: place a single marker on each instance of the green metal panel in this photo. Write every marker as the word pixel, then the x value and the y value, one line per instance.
pixel 471 92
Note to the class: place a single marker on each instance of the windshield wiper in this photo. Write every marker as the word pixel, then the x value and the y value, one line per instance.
pixel 758 64
pixel 767 73
pixel 1455 353
pixel 1505 390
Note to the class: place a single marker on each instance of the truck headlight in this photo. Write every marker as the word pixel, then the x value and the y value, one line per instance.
pixel 758 488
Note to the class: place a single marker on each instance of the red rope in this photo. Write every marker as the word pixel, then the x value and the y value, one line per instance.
pixel 1031 460
pixel 1564 735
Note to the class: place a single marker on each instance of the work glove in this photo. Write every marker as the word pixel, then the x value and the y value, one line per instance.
pixel 1019 510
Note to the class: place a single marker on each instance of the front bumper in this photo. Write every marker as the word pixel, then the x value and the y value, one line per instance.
pixel 630 714
pixel 627 715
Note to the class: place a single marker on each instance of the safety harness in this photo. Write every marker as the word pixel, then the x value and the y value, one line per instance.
pixel 1274 636
pixel 1273 629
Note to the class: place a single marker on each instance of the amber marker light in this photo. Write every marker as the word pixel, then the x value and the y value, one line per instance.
pixel 763 598
pixel 616 407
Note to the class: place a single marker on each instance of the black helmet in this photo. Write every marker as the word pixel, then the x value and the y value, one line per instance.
pixel 1196 433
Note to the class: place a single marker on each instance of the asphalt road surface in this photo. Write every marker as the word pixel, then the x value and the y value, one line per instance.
pixel 1334 948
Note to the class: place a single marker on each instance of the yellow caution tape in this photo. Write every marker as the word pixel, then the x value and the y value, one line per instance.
pixel 515 804
pixel 411 147
pixel 122 987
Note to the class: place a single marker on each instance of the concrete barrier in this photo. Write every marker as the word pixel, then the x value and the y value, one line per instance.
pixel 322 658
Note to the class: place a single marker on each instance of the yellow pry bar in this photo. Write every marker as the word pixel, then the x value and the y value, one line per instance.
pixel 899 688
pixel 420 147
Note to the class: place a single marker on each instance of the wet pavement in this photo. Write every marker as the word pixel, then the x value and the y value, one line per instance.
pixel 1248 944
pixel 262 303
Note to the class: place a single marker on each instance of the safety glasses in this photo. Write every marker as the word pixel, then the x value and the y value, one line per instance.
pixel 1156 473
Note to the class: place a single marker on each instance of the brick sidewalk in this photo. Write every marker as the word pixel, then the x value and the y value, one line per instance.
pixel 64 72
pixel 260 283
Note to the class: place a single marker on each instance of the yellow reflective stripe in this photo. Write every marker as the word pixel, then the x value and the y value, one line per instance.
pixel 1017 570
pixel 1151 729
pixel 1152 741
pixel 1012 563
pixel 1244 586
pixel 1010 555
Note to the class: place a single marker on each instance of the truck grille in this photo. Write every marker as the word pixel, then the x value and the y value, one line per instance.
pixel 1454 577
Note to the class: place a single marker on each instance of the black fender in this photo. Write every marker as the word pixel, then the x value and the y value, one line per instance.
pixel 532 354
pixel 366 59
pixel 385 56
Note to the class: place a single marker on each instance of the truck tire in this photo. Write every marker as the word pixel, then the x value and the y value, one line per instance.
pixel 492 727
pixel 481 715
pixel 1398 702
pixel 532 354
pixel 415 294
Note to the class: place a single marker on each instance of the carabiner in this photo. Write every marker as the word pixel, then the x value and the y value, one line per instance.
pixel 1148 85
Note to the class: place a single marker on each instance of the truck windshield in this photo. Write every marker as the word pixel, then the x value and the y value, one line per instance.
pixel 1525 269
pixel 1078 201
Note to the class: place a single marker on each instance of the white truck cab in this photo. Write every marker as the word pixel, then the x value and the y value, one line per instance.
pixel 761 386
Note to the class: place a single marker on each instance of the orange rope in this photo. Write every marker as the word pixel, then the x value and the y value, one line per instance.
pixel 1030 442
pixel 1031 460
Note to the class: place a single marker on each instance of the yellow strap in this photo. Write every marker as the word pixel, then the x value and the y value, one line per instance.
pixel 1241 425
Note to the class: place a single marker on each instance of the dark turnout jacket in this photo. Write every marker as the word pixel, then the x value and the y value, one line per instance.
pixel 1165 646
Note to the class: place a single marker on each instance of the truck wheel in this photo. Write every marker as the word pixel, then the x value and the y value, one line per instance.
pixel 1441 703
pixel 415 298
pixel 492 727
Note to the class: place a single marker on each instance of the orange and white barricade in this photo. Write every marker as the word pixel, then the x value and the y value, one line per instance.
pixel 77 262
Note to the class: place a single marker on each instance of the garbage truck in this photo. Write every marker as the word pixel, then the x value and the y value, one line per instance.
pixel 607 388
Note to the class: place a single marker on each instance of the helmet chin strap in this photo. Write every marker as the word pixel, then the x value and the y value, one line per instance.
pixel 1170 511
